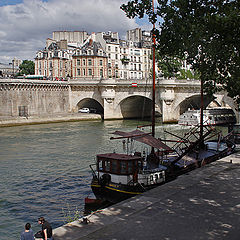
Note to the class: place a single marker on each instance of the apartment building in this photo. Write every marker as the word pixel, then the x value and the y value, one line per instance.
pixel 54 61
pixel 89 61
pixel 98 55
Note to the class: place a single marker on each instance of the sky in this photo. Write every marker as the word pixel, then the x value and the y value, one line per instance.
pixel 26 24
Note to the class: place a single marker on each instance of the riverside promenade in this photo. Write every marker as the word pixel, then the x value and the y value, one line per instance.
pixel 17 121
pixel 203 204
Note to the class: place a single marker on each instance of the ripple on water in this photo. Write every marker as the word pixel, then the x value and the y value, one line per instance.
pixel 44 170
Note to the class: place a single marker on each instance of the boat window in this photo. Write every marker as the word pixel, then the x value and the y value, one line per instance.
pixel 114 166
pixel 101 165
pixel 123 167
pixel 156 176
pixel 107 165
pixel 129 167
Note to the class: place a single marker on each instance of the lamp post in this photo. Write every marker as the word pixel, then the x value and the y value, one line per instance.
pixel 13 66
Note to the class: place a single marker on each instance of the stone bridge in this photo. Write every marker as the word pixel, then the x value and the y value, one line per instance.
pixel 118 99
pixel 114 98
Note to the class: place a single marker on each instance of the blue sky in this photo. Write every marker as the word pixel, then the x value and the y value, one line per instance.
pixel 13 2
pixel 26 24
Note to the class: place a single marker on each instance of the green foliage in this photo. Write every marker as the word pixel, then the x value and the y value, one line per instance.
pixel 27 67
pixel 204 32
pixel 169 66
pixel 187 74
pixel 71 215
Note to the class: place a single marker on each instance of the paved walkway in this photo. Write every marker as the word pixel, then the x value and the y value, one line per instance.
pixel 203 204
pixel 15 121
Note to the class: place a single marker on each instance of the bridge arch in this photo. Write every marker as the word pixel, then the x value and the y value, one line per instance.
pixel 137 106
pixel 194 102
pixel 91 104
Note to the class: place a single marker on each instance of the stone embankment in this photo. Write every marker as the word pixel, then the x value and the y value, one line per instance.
pixel 203 204
pixel 16 121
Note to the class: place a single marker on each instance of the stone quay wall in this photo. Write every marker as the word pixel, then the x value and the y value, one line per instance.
pixel 28 98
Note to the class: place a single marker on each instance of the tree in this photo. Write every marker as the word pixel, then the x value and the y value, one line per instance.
pixel 204 32
pixel 27 67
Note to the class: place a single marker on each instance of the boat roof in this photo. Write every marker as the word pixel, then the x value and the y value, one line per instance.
pixel 145 138
pixel 118 156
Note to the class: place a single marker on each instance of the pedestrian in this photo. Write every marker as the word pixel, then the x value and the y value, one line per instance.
pixel 27 234
pixel 46 229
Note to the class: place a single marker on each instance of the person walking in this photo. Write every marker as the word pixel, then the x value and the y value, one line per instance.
pixel 46 229
pixel 27 234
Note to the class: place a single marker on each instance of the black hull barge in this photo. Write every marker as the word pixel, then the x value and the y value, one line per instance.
pixel 117 176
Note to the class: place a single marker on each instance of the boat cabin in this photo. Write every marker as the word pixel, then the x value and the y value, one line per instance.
pixel 120 164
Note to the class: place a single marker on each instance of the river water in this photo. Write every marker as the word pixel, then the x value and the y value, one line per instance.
pixel 44 169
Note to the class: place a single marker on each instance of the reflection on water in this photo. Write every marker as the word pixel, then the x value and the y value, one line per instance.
pixel 44 169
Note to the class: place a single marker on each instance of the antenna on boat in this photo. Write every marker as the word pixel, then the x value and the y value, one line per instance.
pixel 153 88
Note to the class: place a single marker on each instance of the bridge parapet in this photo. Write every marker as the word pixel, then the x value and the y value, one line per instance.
pixel 161 82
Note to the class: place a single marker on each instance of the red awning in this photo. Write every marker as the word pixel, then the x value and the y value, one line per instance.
pixel 145 138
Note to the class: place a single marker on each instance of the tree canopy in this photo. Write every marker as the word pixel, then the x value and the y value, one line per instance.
pixel 204 32
pixel 27 67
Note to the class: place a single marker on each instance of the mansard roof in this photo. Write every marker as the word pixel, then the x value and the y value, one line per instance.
pixel 90 45
pixel 53 46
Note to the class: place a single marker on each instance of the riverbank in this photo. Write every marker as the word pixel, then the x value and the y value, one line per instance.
pixel 203 204
pixel 18 121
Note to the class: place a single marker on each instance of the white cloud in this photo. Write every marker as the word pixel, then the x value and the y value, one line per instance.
pixel 24 27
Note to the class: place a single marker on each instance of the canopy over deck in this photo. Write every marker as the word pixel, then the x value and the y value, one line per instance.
pixel 145 138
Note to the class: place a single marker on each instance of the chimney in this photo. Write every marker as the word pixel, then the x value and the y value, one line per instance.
pixel 90 42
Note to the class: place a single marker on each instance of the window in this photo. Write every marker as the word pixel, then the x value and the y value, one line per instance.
pixel 109 48
pixel 116 49
pixel 101 62
pixel 84 62
pixel 84 72
pixel 89 72
pixel 78 62
pixel 114 166
pixel 78 72
pixel 89 62
pixel 101 73
pixel 123 167
pixel 107 165
pixel 130 167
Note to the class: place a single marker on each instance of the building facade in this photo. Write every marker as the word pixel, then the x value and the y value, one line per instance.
pixel 89 61
pixel 78 55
